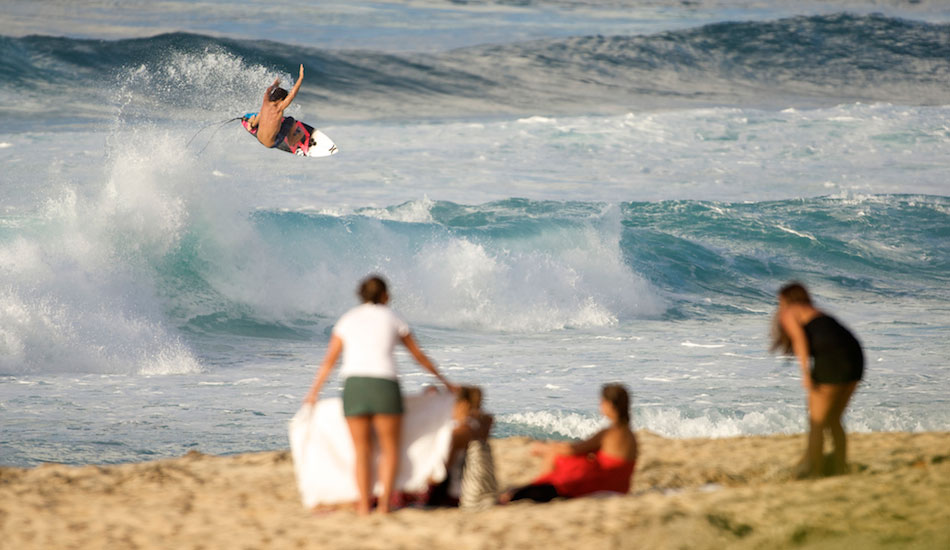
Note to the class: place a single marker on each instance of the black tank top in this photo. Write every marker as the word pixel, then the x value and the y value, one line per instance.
pixel 838 358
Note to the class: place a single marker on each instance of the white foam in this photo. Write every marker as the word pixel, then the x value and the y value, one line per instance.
pixel 674 422
pixel 797 233
pixel 536 120
pixel 667 421
pixel 80 293
pixel 688 344
pixel 419 211
pixel 564 424
pixel 552 282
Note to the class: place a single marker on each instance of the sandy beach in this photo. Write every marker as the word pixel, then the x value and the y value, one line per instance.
pixel 688 493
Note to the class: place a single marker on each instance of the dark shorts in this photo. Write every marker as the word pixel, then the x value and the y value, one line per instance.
pixel 841 371
pixel 542 492
pixel 838 357
pixel 285 128
pixel 364 396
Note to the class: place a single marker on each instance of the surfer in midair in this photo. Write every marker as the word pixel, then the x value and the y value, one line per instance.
pixel 272 127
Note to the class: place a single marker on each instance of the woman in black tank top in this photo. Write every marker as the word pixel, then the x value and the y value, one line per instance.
pixel 832 363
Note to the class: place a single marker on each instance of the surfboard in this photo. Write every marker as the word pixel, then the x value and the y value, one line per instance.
pixel 301 140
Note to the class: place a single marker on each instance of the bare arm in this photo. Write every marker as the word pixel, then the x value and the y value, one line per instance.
pixel 423 360
pixel 796 333
pixel 591 445
pixel 329 360
pixel 293 92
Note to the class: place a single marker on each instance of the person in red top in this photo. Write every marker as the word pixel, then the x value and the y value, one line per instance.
pixel 604 462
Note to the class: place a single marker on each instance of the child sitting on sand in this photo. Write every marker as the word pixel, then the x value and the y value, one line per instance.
pixel 471 425
pixel 605 462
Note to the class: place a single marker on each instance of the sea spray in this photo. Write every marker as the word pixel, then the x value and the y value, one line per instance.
pixel 80 286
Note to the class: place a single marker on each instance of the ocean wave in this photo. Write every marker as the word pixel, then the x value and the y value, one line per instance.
pixel 106 275
pixel 692 422
pixel 821 59
pixel 546 424
pixel 520 265
pixel 121 270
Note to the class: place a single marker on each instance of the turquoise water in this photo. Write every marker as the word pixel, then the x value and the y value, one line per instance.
pixel 560 196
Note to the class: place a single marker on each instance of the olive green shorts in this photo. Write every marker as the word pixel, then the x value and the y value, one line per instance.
pixel 363 396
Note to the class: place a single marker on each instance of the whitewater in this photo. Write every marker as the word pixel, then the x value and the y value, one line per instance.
pixel 561 194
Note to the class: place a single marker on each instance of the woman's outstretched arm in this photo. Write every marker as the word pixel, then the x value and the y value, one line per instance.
pixel 329 360
pixel 424 360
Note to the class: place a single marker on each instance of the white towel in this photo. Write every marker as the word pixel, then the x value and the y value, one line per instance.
pixel 322 448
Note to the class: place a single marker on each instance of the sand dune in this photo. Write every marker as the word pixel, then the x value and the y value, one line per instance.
pixel 694 493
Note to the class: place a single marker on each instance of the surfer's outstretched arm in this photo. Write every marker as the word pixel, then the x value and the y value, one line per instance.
pixel 293 92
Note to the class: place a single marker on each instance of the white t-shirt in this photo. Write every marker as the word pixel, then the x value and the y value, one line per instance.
pixel 370 333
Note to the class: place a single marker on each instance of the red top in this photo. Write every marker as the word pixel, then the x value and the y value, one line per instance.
pixel 579 475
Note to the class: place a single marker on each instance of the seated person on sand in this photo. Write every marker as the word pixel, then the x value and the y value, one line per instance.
pixel 471 424
pixel 605 462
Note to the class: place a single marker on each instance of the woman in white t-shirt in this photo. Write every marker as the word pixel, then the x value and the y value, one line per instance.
pixel 366 336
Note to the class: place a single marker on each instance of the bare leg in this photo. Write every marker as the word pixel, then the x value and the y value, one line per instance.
pixel 840 396
pixel 819 407
pixel 361 432
pixel 802 467
pixel 388 430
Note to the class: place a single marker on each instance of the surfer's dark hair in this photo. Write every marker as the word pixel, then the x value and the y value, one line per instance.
pixel 373 290
pixel 278 94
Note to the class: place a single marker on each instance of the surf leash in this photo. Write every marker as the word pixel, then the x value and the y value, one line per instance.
pixel 219 126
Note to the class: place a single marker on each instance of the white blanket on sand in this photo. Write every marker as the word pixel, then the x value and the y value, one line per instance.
pixel 322 448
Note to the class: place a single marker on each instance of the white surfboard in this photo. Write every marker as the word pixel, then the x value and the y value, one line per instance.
pixel 321 145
